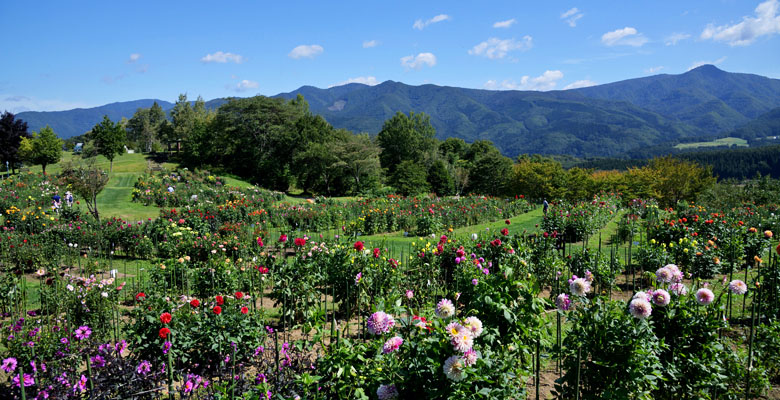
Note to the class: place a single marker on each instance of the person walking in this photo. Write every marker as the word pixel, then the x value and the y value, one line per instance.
pixel 69 198
pixel 57 202
pixel 545 206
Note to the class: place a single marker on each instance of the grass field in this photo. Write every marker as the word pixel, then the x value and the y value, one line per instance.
pixel 114 200
pixel 728 141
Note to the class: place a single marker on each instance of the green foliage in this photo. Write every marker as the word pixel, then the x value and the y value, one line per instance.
pixel 12 130
pixel 109 139
pixel 618 354
pixel 490 174
pixel 405 138
pixel 409 178
pixel 440 179
pixel 44 148
pixel 85 181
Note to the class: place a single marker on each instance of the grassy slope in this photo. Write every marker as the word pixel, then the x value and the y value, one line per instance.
pixel 728 141
pixel 114 200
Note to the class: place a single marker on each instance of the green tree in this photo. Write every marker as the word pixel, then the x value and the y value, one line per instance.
pixel 440 178
pixel 12 131
pixel 43 149
pixel 255 138
pixel 405 138
pixel 679 179
pixel 359 157
pixel 410 178
pixel 491 174
pixel 453 149
pixel 538 177
pixel 109 139
pixel 145 126
pixel 86 181
pixel 183 117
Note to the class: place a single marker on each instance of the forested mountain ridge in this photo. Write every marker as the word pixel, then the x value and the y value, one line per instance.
pixel 706 97
pixel 604 120
pixel 516 121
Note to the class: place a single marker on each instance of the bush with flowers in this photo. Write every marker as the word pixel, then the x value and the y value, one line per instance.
pixel 608 352
pixel 442 356
pixel 202 332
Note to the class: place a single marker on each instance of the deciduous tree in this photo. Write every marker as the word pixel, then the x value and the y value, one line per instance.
pixel 43 148
pixel 405 138
pixel 12 131
pixel 86 181
pixel 109 139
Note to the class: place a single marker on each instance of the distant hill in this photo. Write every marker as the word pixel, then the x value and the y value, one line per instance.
pixel 517 122
pixel 80 120
pixel 762 128
pixel 604 120
pixel 708 98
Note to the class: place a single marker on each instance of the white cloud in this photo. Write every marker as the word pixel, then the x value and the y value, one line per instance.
pixel 572 16
pixel 244 85
pixel 16 104
pixel 370 43
pixel 133 58
pixel 627 36
pixel 653 70
pixel 698 64
pixel 504 24
pixel 580 84
pixel 221 57
pixel 546 81
pixel 766 22
pixel 495 48
pixel 366 80
pixel 672 39
pixel 420 24
pixel 418 61
pixel 307 51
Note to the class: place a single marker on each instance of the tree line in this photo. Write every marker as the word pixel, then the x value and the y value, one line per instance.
pixel 281 144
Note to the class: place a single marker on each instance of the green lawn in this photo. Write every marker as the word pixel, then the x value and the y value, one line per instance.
pixel 114 200
pixel 728 141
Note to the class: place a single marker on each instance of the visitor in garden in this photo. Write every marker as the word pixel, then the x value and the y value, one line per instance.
pixel 69 198
pixel 57 202
pixel 545 204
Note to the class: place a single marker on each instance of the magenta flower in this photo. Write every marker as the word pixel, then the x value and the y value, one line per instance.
pixel 98 361
pixel 392 344
pixel 470 357
pixel 563 302
pixel 380 323
pixel 143 368
pixel 9 365
pixel 26 378
pixel 82 332
pixel 661 297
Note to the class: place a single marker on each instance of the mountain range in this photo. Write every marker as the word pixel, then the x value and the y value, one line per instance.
pixel 603 120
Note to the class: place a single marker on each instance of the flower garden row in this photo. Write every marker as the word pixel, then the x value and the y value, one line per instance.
pixel 418 216
pixel 233 312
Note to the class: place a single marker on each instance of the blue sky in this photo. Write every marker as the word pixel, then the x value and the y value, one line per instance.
pixel 60 55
